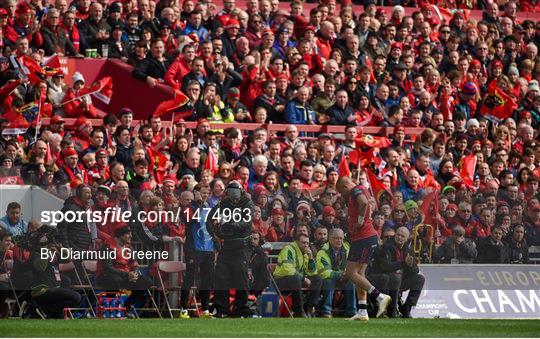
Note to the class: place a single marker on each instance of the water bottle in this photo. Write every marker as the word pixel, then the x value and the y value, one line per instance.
pixel 119 305
pixel 269 303
pixel 113 305
pixel 106 305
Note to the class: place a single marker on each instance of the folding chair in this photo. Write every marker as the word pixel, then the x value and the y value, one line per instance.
pixel 169 267
pixel 78 286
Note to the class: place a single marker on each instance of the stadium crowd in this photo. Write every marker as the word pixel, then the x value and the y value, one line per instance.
pixel 472 174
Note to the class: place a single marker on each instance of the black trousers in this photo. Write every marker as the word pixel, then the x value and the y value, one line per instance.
pixel 293 285
pixel 231 272
pixel 399 283
pixel 55 300
pixel 200 273
pixel 115 282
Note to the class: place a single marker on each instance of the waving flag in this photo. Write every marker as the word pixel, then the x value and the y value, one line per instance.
pixel 467 168
pixel 180 99
pixel 497 105
pixel 211 162
pixel 101 89
pixel 51 65
pixel 32 70
pixel 344 170
pixel 17 124
pixel 29 111
pixel 373 142
pixel 363 159
pixel 377 186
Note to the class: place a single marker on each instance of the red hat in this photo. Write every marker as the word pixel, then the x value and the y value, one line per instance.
pixel 232 23
pixel 380 11
pixel 57 119
pixel 452 207
pixel 497 64
pixel 399 128
pixel 180 121
pixel 311 28
pixel 3 12
pixel 81 122
pixel 281 76
pixel 23 8
pixel 74 183
pixel 260 189
pixel 328 210
pixel 397 44
pixel 102 152
pixel 170 178
pixel 145 186
pixel 477 142
pixel 278 211
pixel 525 114
pixel 193 36
pixel 268 31
pixel 476 63
pixel 68 152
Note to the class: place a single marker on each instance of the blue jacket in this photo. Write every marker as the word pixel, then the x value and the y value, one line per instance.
pixel 202 32
pixel 19 228
pixel 298 114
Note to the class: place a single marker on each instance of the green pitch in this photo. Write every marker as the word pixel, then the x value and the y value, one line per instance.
pixel 270 328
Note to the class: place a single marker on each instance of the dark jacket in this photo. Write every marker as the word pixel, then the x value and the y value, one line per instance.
pixel 465 252
pixel 114 49
pixel 391 259
pixel 338 115
pixel 258 263
pixel 150 67
pixel 74 234
pixel 54 41
pixel 231 230
pixel 491 253
pixel 518 253
pixel 89 28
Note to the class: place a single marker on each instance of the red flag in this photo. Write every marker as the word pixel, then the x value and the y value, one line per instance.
pixel 51 65
pixel 17 123
pixel 497 105
pixel 158 162
pixel 363 159
pixel 180 99
pixel 373 142
pixel 211 162
pixel 430 208
pixel 377 185
pixel 101 89
pixel 32 70
pixel 467 168
pixel 344 170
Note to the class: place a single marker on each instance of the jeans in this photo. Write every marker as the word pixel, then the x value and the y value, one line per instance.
pixel 329 286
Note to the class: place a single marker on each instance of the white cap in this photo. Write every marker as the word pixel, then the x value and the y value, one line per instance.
pixel 77 77
pixel 533 86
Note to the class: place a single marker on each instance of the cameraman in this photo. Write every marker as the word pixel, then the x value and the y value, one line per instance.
pixel 46 279
pixel 231 269
pixel 456 249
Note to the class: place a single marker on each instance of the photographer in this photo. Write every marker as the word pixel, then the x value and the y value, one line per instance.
pixel 231 269
pixel 456 249
pixel 46 278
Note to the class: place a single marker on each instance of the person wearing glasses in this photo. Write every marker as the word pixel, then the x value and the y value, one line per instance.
pixel 456 249
pixel 55 37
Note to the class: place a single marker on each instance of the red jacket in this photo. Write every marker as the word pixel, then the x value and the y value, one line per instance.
pixel 176 72
pixel 74 109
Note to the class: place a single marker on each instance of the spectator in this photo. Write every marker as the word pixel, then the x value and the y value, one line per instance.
pixel 456 249
pixel 13 222
pixel 331 262
pixel 397 259
pixel 516 246
pixel 491 250
pixel 296 268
